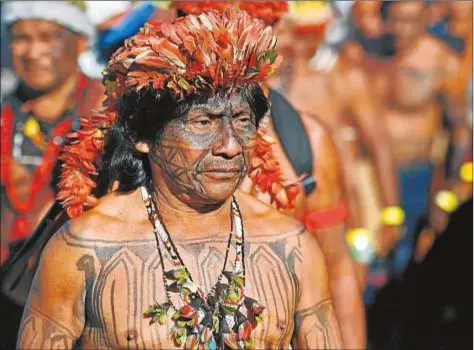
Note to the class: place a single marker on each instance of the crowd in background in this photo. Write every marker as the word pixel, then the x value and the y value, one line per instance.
pixel 384 90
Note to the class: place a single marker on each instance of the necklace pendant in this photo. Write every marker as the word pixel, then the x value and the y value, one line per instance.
pixel 31 127
pixel 225 318
pixel 157 313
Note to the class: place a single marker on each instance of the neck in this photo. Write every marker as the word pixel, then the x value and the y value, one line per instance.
pixel 300 65
pixel 410 46
pixel 185 221
pixel 52 104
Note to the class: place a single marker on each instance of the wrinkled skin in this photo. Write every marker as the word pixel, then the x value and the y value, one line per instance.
pixel 206 154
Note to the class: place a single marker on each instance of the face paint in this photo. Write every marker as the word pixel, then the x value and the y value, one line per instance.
pixel 206 153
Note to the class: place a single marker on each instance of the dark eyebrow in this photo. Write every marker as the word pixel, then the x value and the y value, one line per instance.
pixel 216 113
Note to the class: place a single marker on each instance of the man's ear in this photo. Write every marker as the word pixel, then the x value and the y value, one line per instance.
pixel 142 147
pixel 82 43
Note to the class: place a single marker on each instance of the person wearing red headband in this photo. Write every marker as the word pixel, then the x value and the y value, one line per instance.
pixel 163 250
pixel 300 139
pixel 342 94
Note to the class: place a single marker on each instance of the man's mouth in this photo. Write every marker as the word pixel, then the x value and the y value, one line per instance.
pixel 35 69
pixel 222 174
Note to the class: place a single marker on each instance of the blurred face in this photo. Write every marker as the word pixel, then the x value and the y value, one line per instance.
pixel 460 10
pixel 204 156
pixel 298 41
pixel 407 22
pixel 284 32
pixel 44 53
pixel 368 18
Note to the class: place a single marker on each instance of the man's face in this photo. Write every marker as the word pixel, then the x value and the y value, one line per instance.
pixel 407 22
pixel 44 53
pixel 368 18
pixel 297 41
pixel 284 32
pixel 206 154
pixel 460 10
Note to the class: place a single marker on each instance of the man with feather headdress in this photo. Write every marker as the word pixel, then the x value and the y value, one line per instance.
pixel 148 260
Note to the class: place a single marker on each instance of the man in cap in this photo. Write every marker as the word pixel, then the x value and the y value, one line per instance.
pixel 46 39
pixel 151 263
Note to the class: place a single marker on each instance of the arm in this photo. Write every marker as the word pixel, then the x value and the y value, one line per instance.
pixel 315 323
pixel 54 315
pixel 343 280
pixel 367 117
pixel 368 121
pixel 455 93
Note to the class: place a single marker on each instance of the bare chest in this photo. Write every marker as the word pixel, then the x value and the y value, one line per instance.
pixel 316 94
pixel 412 134
pixel 123 281
pixel 416 79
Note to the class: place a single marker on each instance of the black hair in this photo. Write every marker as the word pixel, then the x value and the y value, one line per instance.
pixel 143 116
pixel 385 8
pixel 180 13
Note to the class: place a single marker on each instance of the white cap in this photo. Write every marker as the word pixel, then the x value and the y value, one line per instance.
pixel 100 11
pixel 61 12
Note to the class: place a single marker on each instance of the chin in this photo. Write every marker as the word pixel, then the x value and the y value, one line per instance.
pixel 39 83
pixel 220 192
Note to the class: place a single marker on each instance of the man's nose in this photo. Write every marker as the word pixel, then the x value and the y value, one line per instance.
pixel 36 50
pixel 227 145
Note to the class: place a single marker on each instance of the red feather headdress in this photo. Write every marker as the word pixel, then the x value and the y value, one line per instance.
pixel 267 11
pixel 210 51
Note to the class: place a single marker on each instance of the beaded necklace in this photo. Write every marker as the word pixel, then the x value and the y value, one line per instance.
pixel 11 143
pixel 225 318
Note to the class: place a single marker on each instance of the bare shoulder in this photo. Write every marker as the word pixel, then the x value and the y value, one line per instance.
pixel 437 44
pixel 353 53
pixel 355 75
pixel 325 152
pixel 116 217
pixel 263 222
pixel 314 125
pixel 267 226
pixel 320 133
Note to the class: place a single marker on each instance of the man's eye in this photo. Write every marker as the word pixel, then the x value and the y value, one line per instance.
pixel 19 37
pixel 243 120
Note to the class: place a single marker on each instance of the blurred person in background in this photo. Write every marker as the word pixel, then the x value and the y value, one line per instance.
pixel 459 119
pixel 369 31
pixel 457 102
pixel 413 80
pixel 45 46
pixel 9 80
pixel 303 146
pixel 449 21
pixel 46 39
pixel 116 21
pixel 342 96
